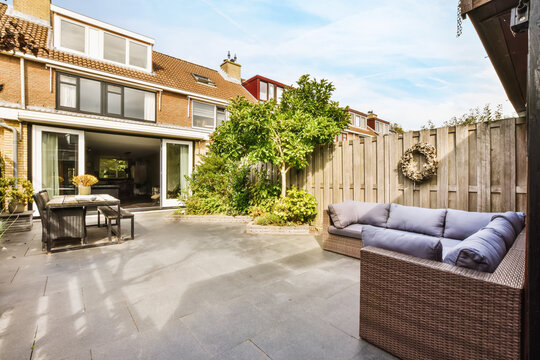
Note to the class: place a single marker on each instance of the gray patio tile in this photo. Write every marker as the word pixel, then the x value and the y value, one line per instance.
pixel 245 351
pixel 221 327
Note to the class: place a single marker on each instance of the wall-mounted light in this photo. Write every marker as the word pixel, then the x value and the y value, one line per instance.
pixel 519 17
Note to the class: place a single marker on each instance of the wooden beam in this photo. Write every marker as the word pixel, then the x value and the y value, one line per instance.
pixel 532 313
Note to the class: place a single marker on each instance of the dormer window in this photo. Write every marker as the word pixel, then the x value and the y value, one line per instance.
pixel 88 37
pixel 201 79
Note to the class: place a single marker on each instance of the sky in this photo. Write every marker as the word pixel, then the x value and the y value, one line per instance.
pixel 399 58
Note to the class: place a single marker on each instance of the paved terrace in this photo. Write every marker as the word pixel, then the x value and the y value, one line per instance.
pixel 180 291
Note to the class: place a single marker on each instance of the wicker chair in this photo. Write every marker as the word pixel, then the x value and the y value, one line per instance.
pixel 422 309
pixel 65 223
pixel 339 244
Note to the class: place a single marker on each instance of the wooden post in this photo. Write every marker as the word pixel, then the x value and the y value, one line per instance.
pixel 532 325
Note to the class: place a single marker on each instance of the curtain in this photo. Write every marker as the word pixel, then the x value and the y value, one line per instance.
pixel 184 165
pixel 50 180
pixel 149 106
pixel 68 95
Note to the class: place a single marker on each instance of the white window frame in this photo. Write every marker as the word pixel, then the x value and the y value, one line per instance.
pixel 215 114
pixel 99 47
pixel 172 202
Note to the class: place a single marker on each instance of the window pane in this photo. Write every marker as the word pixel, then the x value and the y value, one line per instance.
pixel 177 169
pixel 263 91
pixel 68 79
pixel 203 115
pixel 68 95
pixel 59 157
pixel 220 116
pixel 279 93
pixel 72 36
pixel 137 54
pixel 114 99
pixel 270 91
pixel 134 103
pixel 114 48
pixel 113 168
pixel 90 95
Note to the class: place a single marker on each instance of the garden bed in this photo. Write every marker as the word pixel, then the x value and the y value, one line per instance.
pixel 210 218
pixel 251 228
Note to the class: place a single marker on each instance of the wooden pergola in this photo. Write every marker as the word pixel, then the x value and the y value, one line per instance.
pixel 516 59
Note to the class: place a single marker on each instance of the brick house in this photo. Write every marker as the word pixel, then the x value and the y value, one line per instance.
pixel 263 88
pixel 95 98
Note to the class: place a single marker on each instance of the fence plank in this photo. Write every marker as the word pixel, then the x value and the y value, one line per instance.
pixel 337 174
pixel 508 131
pixel 347 170
pixel 358 169
pixel 369 168
pixel 424 190
pixel 408 192
pixel 327 163
pixel 483 173
pixel 462 166
pixel 380 164
pixel 442 173
pixel 318 179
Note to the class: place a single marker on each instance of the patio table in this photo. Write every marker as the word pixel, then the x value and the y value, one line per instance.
pixel 70 201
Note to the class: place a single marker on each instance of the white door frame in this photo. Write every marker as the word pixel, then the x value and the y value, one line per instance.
pixel 36 151
pixel 164 142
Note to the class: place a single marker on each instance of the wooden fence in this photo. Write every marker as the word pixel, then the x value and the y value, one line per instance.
pixel 482 167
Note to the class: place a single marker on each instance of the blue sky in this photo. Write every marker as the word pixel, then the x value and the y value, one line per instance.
pixel 399 58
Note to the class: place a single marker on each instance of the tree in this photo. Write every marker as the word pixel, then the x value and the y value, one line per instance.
pixel 395 127
pixel 283 134
pixel 429 125
pixel 475 115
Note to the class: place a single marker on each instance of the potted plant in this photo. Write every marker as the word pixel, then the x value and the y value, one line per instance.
pixel 18 195
pixel 84 182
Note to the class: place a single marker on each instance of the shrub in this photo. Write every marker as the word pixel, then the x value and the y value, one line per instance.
pixel 298 207
pixel 269 219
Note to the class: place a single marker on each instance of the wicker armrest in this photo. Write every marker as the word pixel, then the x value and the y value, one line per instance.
pixel 417 308
pixel 336 243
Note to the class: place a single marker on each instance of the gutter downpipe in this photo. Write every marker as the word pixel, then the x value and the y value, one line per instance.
pixel 15 148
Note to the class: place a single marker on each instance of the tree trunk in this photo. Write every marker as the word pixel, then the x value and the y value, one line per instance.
pixel 283 181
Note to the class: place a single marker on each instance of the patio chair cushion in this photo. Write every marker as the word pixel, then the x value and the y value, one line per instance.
pixel 448 244
pixel 418 220
pixel 461 224
pixel 353 230
pixel 422 246
pixel 342 214
pixel 482 251
pixel 508 225
pixel 372 213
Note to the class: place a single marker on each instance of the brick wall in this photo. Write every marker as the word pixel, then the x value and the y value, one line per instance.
pixel 38 85
pixel 37 8
pixel 11 79
pixel 174 110
pixel 6 147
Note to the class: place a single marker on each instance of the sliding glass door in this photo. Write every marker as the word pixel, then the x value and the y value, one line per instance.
pixel 176 164
pixel 58 155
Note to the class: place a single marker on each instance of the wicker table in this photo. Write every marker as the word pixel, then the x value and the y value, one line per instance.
pixel 70 201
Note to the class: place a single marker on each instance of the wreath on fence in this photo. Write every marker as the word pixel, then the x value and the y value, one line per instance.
pixel 409 167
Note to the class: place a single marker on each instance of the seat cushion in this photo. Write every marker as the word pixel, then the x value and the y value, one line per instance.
pixel 417 220
pixel 422 246
pixel 343 214
pixel 353 231
pixel 448 244
pixel 482 251
pixel 461 224
pixel 372 213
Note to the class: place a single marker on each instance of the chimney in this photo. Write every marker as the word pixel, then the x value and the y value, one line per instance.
pixel 371 114
pixel 231 67
pixel 37 8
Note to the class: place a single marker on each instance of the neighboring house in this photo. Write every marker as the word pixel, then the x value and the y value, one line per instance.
pixel 380 126
pixel 263 88
pixel 358 128
pixel 95 98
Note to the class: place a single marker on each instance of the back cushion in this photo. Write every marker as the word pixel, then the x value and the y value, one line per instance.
pixel 482 251
pixel 343 214
pixel 372 213
pixel 422 246
pixel 461 224
pixel 415 219
pixel 508 225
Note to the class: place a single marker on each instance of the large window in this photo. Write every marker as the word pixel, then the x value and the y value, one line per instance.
pixel 208 116
pixel 360 121
pixel 279 91
pixel 97 97
pixel 263 91
pixel 271 91
pixel 72 36
pixel 97 43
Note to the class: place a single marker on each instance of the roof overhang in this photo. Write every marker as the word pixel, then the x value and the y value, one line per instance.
pixel 506 50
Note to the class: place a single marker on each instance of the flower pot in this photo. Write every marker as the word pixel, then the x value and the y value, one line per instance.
pixel 16 207
pixel 84 190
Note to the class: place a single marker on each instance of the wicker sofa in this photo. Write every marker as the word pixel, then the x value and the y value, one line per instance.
pixel 424 309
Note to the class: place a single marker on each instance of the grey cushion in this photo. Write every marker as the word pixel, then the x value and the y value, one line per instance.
pixel 343 214
pixel 422 246
pixel 418 220
pixel 372 213
pixel 508 225
pixel 448 244
pixel 353 231
pixel 461 224
pixel 482 251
